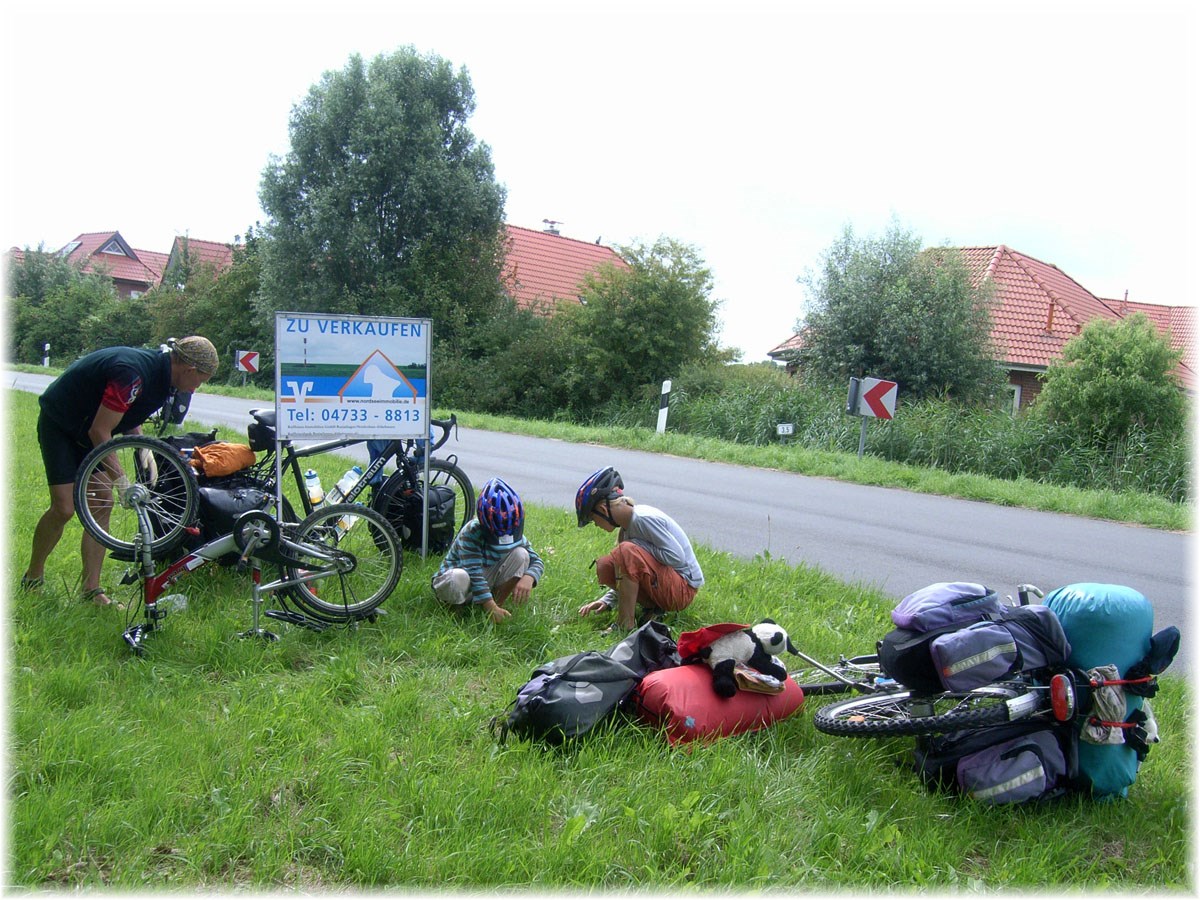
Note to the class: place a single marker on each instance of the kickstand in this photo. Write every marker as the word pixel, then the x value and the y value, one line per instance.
pixel 256 600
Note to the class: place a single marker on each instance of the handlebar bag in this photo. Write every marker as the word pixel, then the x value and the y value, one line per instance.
pixel 945 604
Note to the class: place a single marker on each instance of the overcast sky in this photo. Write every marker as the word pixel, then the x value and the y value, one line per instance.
pixel 1064 130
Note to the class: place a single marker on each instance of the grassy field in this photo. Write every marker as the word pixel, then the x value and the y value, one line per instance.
pixel 362 758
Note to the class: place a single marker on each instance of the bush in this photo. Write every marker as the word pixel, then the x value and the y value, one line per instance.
pixel 744 404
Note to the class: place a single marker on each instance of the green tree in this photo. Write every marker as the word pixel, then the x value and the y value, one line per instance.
pixel 53 302
pixel 882 307
pixel 636 327
pixel 1115 378
pixel 385 204
pixel 220 306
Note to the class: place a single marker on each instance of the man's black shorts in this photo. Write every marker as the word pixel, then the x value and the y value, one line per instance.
pixel 61 453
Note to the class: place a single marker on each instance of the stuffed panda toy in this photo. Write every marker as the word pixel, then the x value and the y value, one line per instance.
pixel 755 647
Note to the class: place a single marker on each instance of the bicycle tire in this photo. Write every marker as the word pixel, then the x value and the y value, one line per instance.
pixel 814 681
pixel 375 553
pixel 158 474
pixel 389 498
pixel 904 712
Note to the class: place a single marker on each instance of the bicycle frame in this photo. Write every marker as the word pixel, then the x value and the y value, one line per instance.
pixel 155 584
pixel 289 456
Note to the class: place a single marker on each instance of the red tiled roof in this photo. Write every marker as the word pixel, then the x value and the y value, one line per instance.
pixel 1037 308
pixel 1178 323
pixel 541 268
pixel 121 261
pixel 219 256
pixel 795 342
pixel 210 253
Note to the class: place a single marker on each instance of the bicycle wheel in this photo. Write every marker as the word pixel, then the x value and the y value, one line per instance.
pixel 159 482
pixel 399 500
pixel 357 554
pixel 855 670
pixel 906 713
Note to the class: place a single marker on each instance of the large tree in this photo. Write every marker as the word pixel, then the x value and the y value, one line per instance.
pixel 882 307
pixel 385 204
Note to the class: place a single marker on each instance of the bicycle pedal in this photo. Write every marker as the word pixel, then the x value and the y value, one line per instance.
pixel 131 576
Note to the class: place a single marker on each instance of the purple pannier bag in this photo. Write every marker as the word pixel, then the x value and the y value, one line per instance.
pixel 1024 639
pixel 945 604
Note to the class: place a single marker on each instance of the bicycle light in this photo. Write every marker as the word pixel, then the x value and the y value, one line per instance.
pixel 1062 697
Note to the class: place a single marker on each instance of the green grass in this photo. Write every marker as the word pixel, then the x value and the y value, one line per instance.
pixel 362 758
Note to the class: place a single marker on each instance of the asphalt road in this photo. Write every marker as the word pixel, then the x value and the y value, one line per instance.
pixel 893 540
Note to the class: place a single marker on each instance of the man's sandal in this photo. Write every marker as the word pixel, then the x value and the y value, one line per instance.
pixel 31 584
pixel 94 595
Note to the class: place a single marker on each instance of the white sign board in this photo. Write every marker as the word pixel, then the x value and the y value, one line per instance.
pixel 351 376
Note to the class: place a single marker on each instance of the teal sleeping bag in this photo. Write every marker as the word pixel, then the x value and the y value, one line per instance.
pixel 1107 624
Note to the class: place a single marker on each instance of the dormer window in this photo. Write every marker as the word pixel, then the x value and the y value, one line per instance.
pixel 113 247
pixel 69 249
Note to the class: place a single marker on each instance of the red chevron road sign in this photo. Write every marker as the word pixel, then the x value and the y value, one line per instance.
pixel 247 361
pixel 878 398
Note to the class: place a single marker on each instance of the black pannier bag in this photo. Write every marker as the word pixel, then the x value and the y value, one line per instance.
pixel 221 498
pixel 404 514
pixel 226 497
pixel 567 697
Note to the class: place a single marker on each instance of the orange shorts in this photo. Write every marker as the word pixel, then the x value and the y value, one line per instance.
pixel 658 585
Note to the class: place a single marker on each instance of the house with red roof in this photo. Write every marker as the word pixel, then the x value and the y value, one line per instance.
pixel 1036 309
pixel 105 252
pixel 543 267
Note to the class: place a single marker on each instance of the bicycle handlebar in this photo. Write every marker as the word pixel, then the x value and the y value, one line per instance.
pixel 445 425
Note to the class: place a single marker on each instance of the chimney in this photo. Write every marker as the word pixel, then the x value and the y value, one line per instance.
pixel 551 226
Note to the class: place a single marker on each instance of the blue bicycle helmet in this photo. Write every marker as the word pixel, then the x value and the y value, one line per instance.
pixel 605 484
pixel 500 510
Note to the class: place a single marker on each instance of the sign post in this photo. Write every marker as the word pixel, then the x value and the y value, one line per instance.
pixel 870 398
pixel 663 403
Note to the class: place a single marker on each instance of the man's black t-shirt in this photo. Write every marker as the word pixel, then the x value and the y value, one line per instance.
pixel 126 379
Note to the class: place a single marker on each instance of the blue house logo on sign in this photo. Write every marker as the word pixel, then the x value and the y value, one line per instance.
pixel 378 379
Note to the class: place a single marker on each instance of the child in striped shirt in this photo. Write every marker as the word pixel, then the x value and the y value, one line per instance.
pixel 490 559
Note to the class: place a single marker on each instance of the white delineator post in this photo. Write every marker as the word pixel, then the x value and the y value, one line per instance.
pixel 662 406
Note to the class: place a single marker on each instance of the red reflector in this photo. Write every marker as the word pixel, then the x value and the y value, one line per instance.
pixel 1062 697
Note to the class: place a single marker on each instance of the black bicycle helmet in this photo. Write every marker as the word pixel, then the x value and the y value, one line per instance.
pixel 606 484
pixel 500 510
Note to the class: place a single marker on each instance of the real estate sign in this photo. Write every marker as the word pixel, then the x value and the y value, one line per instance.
pixel 351 376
